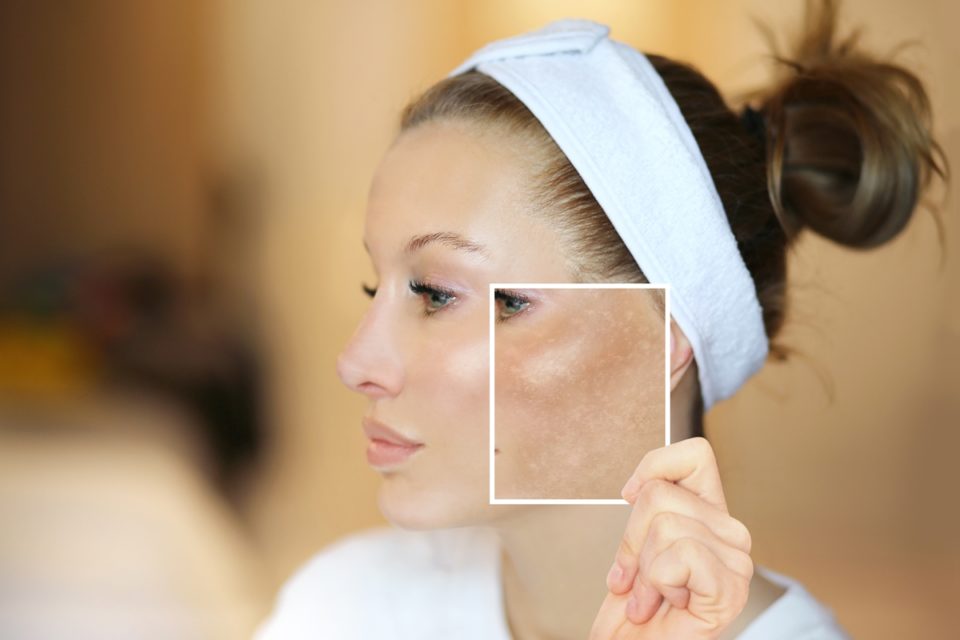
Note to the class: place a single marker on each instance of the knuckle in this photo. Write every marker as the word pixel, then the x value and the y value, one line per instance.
pixel 664 526
pixel 688 549
pixel 741 535
pixel 702 448
pixel 742 596
pixel 713 626
pixel 645 463
pixel 652 491
pixel 625 552
pixel 735 600
pixel 742 565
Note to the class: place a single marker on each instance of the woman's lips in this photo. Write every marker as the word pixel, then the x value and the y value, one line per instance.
pixel 387 447
pixel 381 452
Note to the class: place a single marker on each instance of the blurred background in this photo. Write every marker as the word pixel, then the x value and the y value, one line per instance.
pixel 182 189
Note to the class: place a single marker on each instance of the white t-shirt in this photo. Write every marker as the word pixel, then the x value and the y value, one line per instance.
pixel 391 584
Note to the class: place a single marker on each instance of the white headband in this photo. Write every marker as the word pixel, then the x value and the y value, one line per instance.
pixel 609 111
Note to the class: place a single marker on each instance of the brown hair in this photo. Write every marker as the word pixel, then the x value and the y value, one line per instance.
pixel 845 149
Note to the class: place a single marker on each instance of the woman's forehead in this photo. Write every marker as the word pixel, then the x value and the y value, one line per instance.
pixel 441 178
pixel 444 162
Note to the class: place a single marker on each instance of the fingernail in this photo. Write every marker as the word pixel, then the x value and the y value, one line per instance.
pixel 615 576
pixel 631 607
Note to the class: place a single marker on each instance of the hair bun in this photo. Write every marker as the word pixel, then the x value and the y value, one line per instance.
pixel 850 148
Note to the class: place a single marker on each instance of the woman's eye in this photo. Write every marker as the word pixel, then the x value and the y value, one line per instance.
pixel 436 298
pixel 368 290
pixel 512 305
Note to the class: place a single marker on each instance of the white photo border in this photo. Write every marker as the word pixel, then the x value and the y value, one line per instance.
pixel 666 375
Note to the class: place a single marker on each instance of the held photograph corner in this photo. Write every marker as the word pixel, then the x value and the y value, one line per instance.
pixel 479 319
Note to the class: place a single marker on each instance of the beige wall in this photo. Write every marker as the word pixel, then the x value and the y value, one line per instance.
pixel 850 495
pixel 103 122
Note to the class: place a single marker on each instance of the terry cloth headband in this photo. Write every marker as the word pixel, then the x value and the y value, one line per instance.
pixel 609 111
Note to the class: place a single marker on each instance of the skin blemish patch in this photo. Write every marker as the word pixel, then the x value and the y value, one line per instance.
pixel 579 393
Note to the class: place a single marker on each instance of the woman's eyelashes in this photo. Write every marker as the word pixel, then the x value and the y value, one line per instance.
pixel 512 302
pixel 434 297
pixel 437 298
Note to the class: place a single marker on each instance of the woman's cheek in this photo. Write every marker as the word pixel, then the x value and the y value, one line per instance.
pixel 455 382
pixel 540 413
pixel 573 408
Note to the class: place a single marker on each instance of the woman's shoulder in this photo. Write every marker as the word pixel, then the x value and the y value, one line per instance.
pixel 795 615
pixel 411 579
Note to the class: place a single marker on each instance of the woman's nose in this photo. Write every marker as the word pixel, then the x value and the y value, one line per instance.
pixel 370 361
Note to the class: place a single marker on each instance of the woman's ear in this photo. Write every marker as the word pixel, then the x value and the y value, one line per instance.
pixel 681 354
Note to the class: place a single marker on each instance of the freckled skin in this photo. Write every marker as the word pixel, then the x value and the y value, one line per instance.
pixel 579 393
pixel 429 376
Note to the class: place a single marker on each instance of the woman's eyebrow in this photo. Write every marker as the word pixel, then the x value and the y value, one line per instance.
pixel 449 239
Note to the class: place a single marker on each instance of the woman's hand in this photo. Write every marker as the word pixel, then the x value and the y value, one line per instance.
pixel 683 567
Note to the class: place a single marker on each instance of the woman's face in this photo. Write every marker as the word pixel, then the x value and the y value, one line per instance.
pixel 448 210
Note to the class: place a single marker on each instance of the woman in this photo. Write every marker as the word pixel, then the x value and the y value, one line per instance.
pixel 476 189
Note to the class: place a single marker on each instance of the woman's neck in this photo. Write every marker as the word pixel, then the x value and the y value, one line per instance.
pixel 554 564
